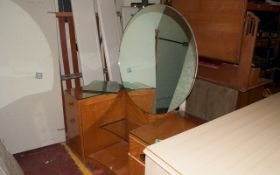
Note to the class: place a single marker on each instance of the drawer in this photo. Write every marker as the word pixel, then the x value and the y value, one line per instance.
pixel 73 132
pixel 135 166
pixel 72 120
pixel 136 148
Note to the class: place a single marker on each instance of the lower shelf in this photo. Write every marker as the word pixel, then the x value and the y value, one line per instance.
pixel 113 158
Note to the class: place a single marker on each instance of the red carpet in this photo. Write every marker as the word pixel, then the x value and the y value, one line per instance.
pixel 51 160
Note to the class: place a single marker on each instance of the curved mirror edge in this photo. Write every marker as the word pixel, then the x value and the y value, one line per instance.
pixel 172 45
pixel 189 66
pixel 185 85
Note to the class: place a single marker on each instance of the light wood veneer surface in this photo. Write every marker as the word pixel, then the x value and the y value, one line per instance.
pixel 244 142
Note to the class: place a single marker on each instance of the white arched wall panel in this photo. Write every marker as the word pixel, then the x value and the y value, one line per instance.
pixel 26 51
pixel 30 109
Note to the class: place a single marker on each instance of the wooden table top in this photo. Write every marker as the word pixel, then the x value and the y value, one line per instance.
pixel 244 142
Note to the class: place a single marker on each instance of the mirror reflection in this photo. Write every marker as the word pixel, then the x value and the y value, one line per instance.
pixel 158 54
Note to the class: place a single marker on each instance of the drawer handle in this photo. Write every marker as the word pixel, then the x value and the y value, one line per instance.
pixel 142 157
pixel 72 120
pixel 71 104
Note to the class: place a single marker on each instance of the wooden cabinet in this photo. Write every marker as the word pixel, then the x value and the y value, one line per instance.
pixel 111 131
pixel 226 35
pixel 85 114
pixel 98 125
pixel 215 23
pixel 73 133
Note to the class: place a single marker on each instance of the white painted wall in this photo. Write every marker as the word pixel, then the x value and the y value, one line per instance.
pixel 31 113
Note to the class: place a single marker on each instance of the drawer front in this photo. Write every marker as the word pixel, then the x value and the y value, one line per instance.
pixel 72 120
pixel 136 148
pixel 73 126
pixel 135 167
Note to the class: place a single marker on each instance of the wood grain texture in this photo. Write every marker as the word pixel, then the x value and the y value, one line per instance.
pixel 113 158
pixel 144 99
pixel 217 26
pixel 222 35
pixel 134 167
pixel 250 96
pixel 87 113
pixel 96 112
pixel 239 76
pixel 146 135
pixel 73 132
pixel 63 44
pixel 85 118
pixel 73 45
pixel 63 14
pixel 136 147
pixel 244 142
pixel 263 7
pixel 247 50
pixel 92 136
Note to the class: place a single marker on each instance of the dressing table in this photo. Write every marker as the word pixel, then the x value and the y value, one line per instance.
pixel 109 130
pixel 158 65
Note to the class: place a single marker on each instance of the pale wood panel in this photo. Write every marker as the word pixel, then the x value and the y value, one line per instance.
pixel 244 142
pixel 217 26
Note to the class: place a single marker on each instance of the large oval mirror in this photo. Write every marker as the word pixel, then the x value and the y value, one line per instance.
pixel 158 54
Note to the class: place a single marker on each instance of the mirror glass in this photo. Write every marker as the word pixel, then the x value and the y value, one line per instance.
pixel 158 58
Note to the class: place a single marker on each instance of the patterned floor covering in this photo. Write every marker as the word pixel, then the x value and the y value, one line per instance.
pixel 54 160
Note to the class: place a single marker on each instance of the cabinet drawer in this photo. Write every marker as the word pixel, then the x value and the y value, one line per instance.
pixel 136 148
pixel 72 120
pixel 73 131
pixel 135 167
